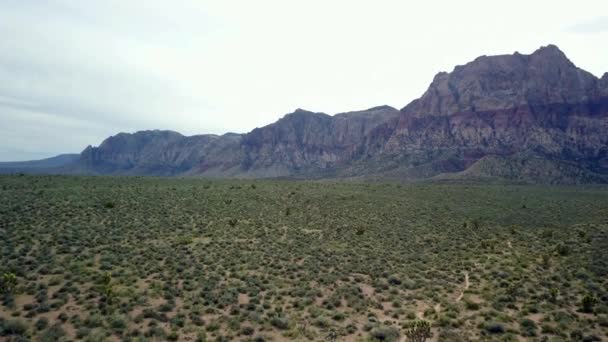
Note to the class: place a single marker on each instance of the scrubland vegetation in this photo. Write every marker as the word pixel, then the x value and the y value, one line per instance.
pixel 142 259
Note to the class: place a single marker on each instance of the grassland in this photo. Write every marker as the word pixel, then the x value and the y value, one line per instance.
pixel 138 259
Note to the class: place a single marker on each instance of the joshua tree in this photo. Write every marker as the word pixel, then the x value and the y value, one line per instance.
pixel 419 331
pixel 107 288
pixel 108 292
pixel 106 279
pixel 553 293
pixel 588 303
pixel 546 261
pixel 9 283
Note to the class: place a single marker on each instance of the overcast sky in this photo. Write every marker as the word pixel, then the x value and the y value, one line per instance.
pixel 73 72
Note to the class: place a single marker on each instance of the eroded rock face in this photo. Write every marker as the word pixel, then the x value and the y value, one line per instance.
pixel 537 106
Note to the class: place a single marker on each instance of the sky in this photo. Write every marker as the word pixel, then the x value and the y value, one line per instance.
pixel 74 72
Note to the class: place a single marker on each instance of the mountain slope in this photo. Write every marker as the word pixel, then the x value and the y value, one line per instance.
pixel 526 169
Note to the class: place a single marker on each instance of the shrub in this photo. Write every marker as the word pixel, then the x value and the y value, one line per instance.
pixel 247 330
pixel 472 305
pixel 52 334
pixel 14 327
pixel 384 333
pixel 562 249
pixel 280 323
pixel 576 335
pixel 41 323
pixel 494 328
pixel 528 327
pixel 118 323
pixel 173 336
pixel 394 280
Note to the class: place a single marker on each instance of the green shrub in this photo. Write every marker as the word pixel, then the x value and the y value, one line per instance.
pixel 14 327
pixel 52 334
pixel 384 333
pixel 562 249
pixel 494 328
pixel 247 330
pixel 41 323
pixel 280 323
pixel 528 327
pixel 472 305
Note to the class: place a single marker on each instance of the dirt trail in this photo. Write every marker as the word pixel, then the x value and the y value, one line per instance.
pixel 466 286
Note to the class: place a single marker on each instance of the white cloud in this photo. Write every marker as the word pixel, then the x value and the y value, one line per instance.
pixel 595 25
pixel 213 66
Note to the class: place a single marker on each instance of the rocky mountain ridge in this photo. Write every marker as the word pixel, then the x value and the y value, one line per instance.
pixel 474 121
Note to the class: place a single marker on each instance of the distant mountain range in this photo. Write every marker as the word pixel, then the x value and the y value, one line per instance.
pixel 48 165
pixel 525 118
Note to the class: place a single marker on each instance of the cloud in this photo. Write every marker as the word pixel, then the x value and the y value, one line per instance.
pixel 30 134
pixel 75 72
pixel 595 25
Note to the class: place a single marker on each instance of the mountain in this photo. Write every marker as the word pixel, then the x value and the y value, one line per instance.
pixel 39 166
pixel 163 153
pixel 311 144
pixel 541 104
pixel 525 118
pixel 301 143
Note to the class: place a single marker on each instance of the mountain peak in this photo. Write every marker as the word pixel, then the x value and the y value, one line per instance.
pixel 544 77
pixel 549 49
pixel 301 111
pixel 550 54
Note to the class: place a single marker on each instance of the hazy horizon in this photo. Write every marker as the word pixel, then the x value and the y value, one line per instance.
pixel 74 73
